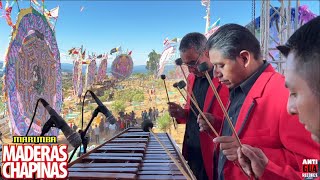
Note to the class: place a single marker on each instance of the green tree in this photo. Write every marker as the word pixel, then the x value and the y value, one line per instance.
pixel 118 106
pixel 105 96
pixel 153 62
pixel 164 122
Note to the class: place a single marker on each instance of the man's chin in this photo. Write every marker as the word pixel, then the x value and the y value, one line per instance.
pixel 315 138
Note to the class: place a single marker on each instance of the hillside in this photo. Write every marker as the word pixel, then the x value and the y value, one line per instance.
pixel 67 67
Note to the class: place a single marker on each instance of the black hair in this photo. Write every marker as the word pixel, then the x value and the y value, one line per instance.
pixel 193 40
pixel 231 39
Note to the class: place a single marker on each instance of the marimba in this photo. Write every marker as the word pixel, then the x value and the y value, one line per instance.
pixel 132 154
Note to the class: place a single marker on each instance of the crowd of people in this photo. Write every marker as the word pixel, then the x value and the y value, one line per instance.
pixel 272 115
pixel 124 120
pixel 151 115
pixel 104 129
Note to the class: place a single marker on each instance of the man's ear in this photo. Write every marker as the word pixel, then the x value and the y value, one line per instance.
pixel 245 58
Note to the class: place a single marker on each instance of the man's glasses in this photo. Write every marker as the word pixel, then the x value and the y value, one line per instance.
pixel 193 63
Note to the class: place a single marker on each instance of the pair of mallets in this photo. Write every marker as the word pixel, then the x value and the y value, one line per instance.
pixel 203 67
pixel 163 77
pixel 181 85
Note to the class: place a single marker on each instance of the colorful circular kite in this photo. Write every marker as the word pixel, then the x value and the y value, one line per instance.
pixel 122 66
pixel 32 71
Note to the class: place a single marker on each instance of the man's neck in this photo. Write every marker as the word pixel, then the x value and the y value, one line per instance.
pixel 256 65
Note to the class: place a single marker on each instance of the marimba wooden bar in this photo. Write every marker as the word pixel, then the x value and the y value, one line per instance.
pixel 132 154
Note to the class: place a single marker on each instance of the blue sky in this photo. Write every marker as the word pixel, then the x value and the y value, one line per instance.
pixel 139 26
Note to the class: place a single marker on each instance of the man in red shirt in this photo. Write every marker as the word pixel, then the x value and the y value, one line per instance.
pixel 257 108
pixel 302 79
pixel 198 146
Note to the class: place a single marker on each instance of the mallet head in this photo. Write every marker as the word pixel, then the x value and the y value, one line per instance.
pixel 178 62
pixel 203 67
pixel 181 84
pixel 145 125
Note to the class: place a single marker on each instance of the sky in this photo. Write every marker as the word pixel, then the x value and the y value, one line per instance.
pixel 140 26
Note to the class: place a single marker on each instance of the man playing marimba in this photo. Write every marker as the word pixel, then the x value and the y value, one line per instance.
pixel 303 81
pixel 198 146
pixel 257 107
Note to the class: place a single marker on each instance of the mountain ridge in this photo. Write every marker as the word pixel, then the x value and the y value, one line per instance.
pixel 67 67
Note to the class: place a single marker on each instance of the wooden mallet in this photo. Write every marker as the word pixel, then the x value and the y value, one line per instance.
pixel 176 86
pixel 179 63
pixel 203 67
pixel 163 77
pixel 182 85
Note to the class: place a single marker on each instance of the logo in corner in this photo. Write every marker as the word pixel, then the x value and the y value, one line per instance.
pixel 310 168
pixel 34 161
